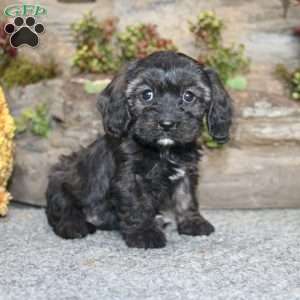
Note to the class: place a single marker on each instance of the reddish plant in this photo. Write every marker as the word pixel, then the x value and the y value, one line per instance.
pixel 4 42
pixel 140 40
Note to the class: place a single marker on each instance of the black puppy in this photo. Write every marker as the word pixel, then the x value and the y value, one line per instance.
pixel 152 113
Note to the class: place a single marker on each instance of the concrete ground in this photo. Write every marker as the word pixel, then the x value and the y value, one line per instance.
pixel 254 254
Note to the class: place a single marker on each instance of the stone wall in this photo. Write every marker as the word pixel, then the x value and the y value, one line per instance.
pixel 261 165
pixel 258 24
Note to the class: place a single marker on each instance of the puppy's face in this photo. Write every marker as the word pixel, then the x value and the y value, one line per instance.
pixel 162 99
pixel 167 101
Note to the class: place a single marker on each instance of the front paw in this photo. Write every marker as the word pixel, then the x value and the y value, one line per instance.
pixel 73 229
pixel 194 227
pixel 147 238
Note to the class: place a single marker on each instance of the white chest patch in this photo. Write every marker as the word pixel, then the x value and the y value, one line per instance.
pixel 165 142
pixel 179 173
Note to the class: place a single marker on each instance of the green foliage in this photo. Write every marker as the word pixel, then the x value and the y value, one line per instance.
pixel 207 140
pixel 94 45
pixel 296 85
pixel 101 49
pixel 7 52
pixel 89 29
pixel 21 71
pixel 95 59
pixel 35 120
pixel 227 61
pixel 208 29
pixel 140 40
pixel 282 73
pixel 94 87
pixel 4 61
pixel 238 83
pixel 292 80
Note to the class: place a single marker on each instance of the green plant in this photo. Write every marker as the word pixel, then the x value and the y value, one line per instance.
pixel 88 29
pixel 101 49
pixel 230 61
pixel 207 140
pixel 207 29
pixel 94 45
pixel 22 71
pixel 35 120
pixel 141 40
pixel 95 87
pixel 282 73
pixel 238 83
pixel 7 52
pixel 296 85
pixel 291 79
pixel 95 59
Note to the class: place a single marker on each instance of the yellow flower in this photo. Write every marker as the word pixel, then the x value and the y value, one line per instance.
pixel 7 130
pixel 4 200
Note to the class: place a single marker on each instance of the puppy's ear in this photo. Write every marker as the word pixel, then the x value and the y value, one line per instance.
pixel 219 116
pixel 112 104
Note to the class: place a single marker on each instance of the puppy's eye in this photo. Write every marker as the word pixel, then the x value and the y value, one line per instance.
pixel 147 95
pixel 188 97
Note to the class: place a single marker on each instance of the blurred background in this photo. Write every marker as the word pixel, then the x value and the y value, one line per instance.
pixel 254 45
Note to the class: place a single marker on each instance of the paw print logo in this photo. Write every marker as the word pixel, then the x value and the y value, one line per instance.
pixel 24 33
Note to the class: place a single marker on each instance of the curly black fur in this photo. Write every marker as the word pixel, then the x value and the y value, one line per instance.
pixel 147 157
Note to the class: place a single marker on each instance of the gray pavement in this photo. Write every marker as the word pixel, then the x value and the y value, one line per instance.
pixel 254 254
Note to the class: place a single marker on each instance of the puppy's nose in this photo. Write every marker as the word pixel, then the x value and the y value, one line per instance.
pixel 166 125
